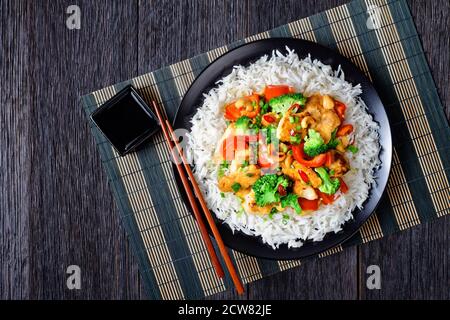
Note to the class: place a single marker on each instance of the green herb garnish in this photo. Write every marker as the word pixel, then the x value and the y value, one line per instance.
pixel 236 187
pixel 353 149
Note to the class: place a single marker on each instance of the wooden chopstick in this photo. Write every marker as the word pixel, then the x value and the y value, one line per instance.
pixel 204 233
pixel 223 250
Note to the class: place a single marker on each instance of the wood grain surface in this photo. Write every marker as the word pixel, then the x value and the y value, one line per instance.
pixel 56 208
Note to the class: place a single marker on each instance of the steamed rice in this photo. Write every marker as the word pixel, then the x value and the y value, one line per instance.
pixel 308 77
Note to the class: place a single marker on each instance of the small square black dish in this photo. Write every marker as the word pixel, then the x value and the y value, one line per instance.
pixel 126 120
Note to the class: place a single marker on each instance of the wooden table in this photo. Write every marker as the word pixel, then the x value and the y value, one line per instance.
pixel 56 208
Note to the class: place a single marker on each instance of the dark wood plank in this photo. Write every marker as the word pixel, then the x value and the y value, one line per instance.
pixel 56 207
pixel 415 264
pixel 14 156
pixel 73 217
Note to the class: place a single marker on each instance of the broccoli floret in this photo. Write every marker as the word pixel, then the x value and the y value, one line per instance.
pixel 333 141
pixel 281 104
pixel 314 144
pixel 266 189
pixel 243 123
pixel 328 186
pixel 291 200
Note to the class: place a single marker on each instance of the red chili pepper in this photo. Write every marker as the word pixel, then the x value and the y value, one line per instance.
pixel 304 176
pixel 343 187
pixel 340 108
pixel 344 130
pixel 299 155
pixel 306 204
pixel 269 118
pixel 282 190
pixel 329 159
pixel 326 198
pixel 294 106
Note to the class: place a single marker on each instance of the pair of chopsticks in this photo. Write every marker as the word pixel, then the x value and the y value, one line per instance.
pixel 188 185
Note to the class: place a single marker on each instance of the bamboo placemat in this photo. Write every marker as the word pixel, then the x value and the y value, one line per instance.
pixel 379 36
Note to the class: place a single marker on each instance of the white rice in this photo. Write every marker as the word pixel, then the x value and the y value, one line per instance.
pixel 308 77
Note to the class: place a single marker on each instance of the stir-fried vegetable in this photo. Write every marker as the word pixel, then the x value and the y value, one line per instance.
pixel 306 204
pixel 300 156
pixel 344 130
pixel 291 200
pixel 243 123
pixel 281 104
pixel 329 185
pixel 314 144
pixel 266 189
pixel 272 91
pixel 304 168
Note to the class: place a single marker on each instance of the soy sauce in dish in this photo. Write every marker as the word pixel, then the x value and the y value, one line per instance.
pixel 126 120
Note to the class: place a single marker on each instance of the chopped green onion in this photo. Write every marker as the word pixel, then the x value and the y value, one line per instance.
pixel 236 187
pixel 250 175
pixel 222 195
pixel 295 139
pixel 298 128
pixel 272 212
pixel 291 119
pixel 352 149
pixel 261 103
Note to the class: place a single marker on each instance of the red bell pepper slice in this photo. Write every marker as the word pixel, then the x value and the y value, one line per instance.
pixel 326 198
pixel 304 176
pixel 344 130
pixel 306 204
pixel 299 155
pixel 343 187
pixel 340 108
pixel 232 113
pixel 272 91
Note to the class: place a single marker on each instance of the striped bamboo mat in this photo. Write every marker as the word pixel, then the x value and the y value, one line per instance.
pixel 379 36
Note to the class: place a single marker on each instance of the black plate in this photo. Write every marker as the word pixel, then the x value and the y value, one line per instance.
pixel 248 53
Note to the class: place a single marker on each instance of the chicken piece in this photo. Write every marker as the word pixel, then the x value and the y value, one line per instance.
pixel 291 173
pixel 304 191
pixel 313 177
pixel 343 143
pixel 339 166
pixel 243 192
pixel 288 126
pixel 251 207
pixel 248 175
pixel 325 118
pixel 240 157
pixel 225 183
pixel 327 102
pixel 313 106
pixel 245 176
pixel 329 121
